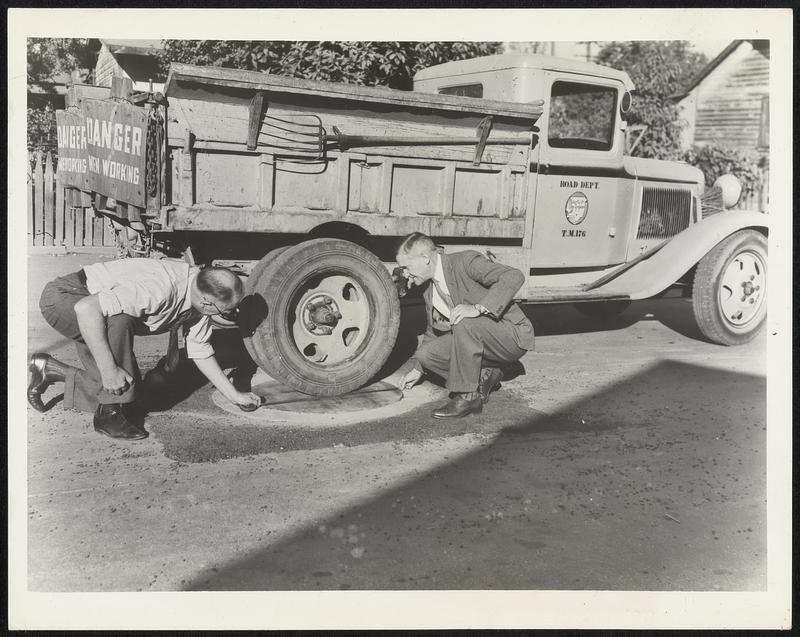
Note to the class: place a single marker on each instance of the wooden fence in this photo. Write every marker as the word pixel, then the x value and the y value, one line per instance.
pixel 59 217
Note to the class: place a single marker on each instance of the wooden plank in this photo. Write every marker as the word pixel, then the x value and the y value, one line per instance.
pixel 257 107
pixel 69 226
pixel 59 213
pixel 186 194
pixel 88 226
pixel 253 80
pixel 49 201
pixel 266 180
pixel 343 188
pixel 109 238
pixel 448 189
pixel 216 218
pixel 385 195
pixel 121 87
pixel 100 201
pixel 38 201
pixel 29 197
pixel 97 230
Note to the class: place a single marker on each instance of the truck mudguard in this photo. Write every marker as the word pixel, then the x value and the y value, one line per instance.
pixel 684 250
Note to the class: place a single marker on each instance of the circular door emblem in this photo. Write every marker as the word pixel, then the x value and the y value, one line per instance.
pixel 576 208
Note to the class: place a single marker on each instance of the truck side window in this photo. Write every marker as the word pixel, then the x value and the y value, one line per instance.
pixel 582 116
pixel 465 90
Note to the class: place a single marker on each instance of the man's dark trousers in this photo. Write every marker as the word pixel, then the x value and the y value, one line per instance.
pixel 473 343
pixel 83 388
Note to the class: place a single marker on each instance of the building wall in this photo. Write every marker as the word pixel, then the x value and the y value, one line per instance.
pixel 726 107
pixel 108 65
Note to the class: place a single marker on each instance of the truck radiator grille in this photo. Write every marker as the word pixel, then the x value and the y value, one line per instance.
pixel 665 212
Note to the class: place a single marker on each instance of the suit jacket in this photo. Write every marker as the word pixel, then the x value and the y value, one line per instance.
pixel 472 278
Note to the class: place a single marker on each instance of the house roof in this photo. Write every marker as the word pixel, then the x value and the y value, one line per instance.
pixel 760 45
pixel 133 47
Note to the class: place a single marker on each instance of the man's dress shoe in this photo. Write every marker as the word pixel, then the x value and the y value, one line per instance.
pixel 458 406
pixel 41 377
pixel 490 380
pixel 115 421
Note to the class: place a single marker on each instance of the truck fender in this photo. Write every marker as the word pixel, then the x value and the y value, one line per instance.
pixel 679 254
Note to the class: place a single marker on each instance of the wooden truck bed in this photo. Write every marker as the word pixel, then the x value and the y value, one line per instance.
pixel 237 164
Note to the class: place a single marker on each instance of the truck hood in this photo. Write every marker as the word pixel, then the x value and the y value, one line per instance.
pixel 663 170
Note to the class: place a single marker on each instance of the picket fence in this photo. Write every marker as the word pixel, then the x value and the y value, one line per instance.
pixel 59 217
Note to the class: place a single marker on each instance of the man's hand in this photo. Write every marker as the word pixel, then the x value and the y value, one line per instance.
pixel 463 311
pixel 116 380
pixel 410 378
pixel 248 399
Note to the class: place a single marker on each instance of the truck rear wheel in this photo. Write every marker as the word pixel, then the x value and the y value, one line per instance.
pixel 251 287
pixel 730 289
pixel 332 319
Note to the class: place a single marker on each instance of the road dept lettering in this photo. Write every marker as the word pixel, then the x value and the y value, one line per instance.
pixel 585 185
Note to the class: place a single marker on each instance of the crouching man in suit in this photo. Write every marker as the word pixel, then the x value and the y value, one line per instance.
pixel 474 329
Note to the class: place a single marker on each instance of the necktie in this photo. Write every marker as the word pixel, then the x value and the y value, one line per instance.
pixel 187 317
pixel 445 297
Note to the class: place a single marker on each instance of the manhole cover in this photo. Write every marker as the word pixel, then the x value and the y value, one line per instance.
pixel 285 404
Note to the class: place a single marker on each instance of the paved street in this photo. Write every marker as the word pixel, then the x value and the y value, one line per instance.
pixel 625 457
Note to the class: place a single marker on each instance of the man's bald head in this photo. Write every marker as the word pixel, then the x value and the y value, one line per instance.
pixel 221 284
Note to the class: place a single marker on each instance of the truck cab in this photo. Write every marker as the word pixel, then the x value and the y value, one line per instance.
pixel 594 206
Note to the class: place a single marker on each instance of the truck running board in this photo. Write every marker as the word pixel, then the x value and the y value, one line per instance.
pixel 568 295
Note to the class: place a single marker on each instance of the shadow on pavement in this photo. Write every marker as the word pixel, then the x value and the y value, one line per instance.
pixel 674 313
pixel 644 486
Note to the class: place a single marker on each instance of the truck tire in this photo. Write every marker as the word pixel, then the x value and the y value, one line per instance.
pixel 332 320
pixel 251 287
pixel 602 310
pixel 730 289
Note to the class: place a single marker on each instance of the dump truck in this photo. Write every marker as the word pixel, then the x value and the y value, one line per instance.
pixel 305 187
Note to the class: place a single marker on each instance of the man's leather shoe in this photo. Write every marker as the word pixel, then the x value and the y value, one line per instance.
pixel 458 406
pixel 42 372
pixel 490 380
pixel 115 421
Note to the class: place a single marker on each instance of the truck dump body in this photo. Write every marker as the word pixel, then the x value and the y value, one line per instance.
pixel 256 153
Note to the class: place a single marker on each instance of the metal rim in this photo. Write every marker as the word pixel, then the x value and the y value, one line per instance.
pixel 743 289
pixel 331 319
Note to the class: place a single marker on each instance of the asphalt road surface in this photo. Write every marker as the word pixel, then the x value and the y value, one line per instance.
pixel 625 456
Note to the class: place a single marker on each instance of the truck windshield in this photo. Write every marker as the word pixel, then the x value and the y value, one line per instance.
pixel 582 116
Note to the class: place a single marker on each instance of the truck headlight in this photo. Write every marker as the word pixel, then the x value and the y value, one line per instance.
pixel 731 189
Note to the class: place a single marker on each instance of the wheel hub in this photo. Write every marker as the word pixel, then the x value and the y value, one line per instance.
pixel 321 315
pixel 743 288
pixel 331 320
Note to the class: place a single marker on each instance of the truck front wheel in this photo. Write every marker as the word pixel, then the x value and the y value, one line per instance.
pixel 730 289
pixel 332 317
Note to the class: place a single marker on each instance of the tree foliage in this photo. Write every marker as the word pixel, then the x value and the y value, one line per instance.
pixel 390 64
pixel 42 129
pixel 47 57
pixel 718 159
pixel 659 70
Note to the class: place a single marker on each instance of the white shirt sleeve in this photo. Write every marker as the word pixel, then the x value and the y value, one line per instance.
pixel 197 339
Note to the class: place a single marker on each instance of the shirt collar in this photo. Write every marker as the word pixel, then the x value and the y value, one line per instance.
pixel 438 273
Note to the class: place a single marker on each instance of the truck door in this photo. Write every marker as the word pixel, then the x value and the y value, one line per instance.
pixel 578 211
